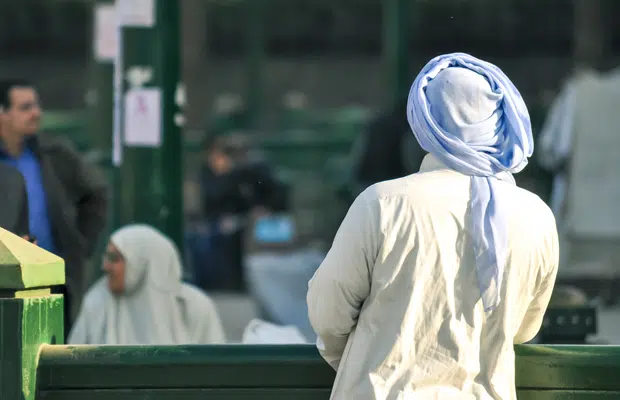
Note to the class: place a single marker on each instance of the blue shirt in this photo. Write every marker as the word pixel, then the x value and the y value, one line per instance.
pixel 40 226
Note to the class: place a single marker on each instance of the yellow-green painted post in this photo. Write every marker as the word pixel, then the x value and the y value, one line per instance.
pixel 29 314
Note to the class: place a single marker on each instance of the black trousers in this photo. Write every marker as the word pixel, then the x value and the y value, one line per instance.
pixel 229 262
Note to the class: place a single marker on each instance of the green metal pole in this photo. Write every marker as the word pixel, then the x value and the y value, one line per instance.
pixel 152 168
pixel 255 48
pixel 101 94
pixel 100 99
pixel 396 22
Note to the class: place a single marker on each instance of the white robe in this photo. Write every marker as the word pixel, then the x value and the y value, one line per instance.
pixel 396 304
pixel 157 308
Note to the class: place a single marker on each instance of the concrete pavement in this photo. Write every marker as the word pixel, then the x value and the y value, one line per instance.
pixel 236 311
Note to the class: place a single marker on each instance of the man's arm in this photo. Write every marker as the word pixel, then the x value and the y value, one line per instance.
pixel 340 286
pixel 22 227
pixel 536 310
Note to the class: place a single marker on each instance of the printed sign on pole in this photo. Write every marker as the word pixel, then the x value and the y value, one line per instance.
pixel 143 117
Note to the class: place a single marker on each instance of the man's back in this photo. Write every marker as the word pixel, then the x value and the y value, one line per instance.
pixel 433 277
pixel 424 318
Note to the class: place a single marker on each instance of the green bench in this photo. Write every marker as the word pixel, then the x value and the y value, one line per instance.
pixel 33 364
pixel 183 373
pixel 238 372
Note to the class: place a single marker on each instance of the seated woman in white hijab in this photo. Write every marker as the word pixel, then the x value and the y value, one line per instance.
pixel 141 300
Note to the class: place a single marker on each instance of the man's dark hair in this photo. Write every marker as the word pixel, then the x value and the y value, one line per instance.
pixel 230 145
pixel 218 143
pixel 6 85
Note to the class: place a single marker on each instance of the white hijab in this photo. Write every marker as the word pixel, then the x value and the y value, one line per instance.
pixel 156 307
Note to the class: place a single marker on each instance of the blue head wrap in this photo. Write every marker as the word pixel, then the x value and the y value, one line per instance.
pixel 468 114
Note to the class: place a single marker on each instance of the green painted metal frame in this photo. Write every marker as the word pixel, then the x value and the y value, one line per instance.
pixel 275 372
pixel 538 367
pixel 148 367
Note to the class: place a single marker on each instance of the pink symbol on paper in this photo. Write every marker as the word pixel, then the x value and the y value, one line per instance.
pixel 141 108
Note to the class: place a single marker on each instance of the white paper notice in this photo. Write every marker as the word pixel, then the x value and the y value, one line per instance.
pixel 106 32
pixel 138 13
pixel 142 118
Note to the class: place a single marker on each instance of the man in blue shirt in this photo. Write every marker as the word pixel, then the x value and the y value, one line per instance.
pixel 67 198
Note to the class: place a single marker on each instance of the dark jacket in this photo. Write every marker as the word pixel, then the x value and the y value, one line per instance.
pixel 387 149
pixel 77 196
pixel 238 191
pixel 14 201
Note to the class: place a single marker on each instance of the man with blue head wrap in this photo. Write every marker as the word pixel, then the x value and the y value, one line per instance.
pixel 433 277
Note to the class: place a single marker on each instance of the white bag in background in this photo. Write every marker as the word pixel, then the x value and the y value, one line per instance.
pixel 262 332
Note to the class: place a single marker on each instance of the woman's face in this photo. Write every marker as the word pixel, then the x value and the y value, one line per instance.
pixel 114 267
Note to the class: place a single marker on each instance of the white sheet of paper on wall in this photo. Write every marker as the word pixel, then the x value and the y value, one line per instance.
pixel 143 118
pixel 138 13
pixel 106 32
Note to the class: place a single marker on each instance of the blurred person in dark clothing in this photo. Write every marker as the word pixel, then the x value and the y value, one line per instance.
pixel 14 213
pixel 386 149
pixel 234 185
pixel 67 198
pixel 14 203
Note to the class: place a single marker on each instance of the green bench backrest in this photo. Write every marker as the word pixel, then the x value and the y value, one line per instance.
pixel 238 372
pixel 567 372
pixel 183 372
